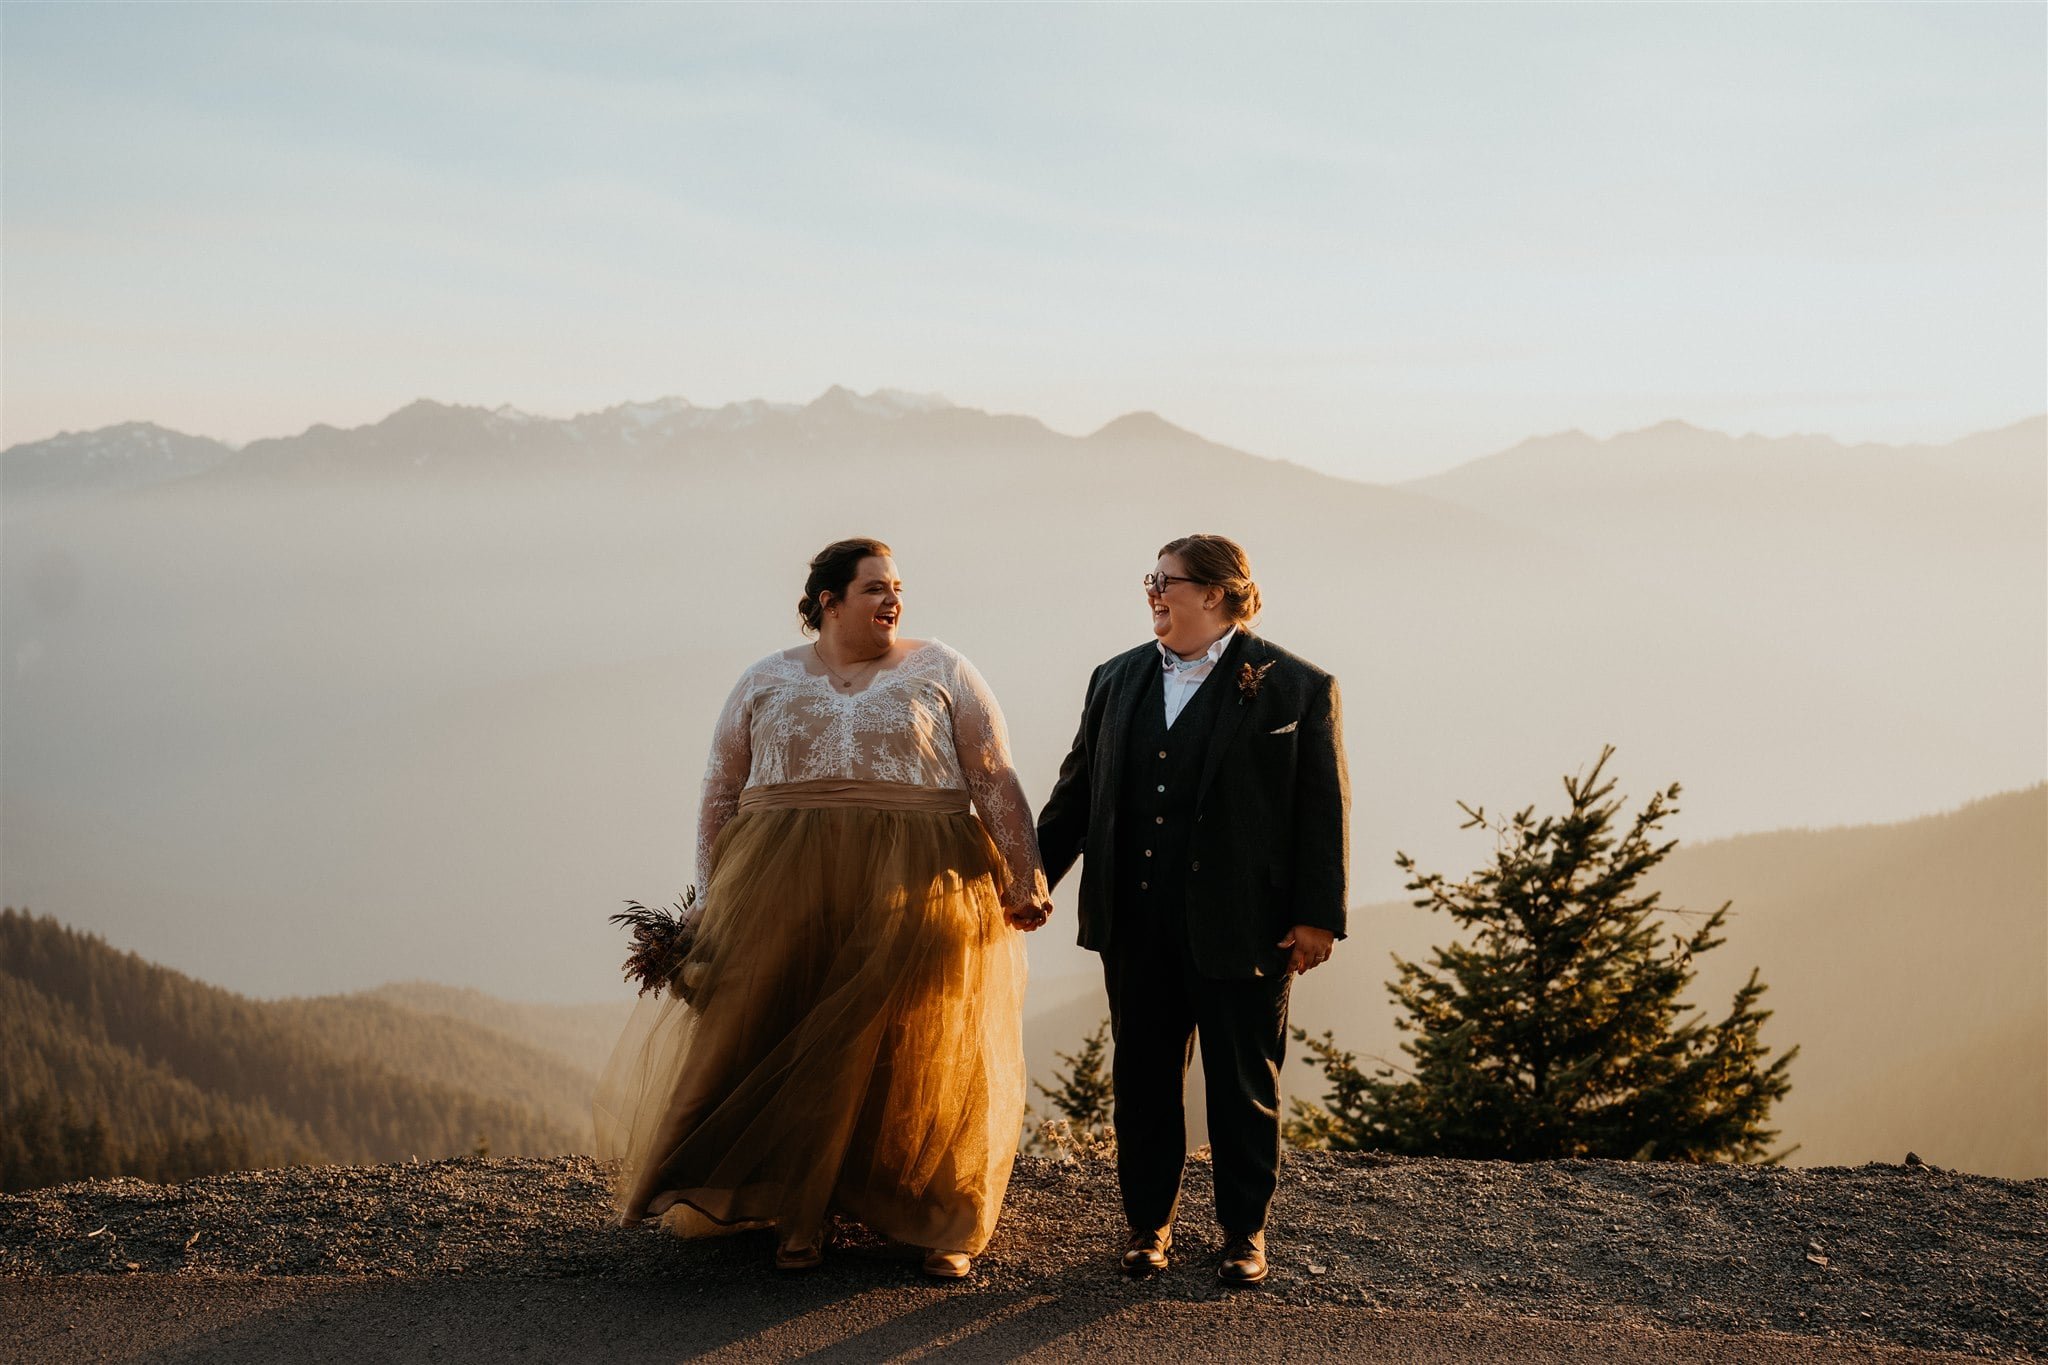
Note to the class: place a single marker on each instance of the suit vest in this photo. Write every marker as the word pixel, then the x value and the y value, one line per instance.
pixel 1155 816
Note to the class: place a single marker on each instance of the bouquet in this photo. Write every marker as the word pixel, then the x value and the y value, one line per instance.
pixel 662 940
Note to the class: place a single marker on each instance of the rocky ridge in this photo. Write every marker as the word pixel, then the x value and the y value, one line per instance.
pixel 1872 1257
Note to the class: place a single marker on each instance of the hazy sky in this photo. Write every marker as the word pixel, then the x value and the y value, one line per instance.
pixel 1377 240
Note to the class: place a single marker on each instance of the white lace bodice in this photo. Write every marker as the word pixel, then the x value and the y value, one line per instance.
pixel 929 720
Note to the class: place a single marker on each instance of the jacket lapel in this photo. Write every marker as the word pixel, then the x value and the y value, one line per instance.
pixel 1131 687
pixel 1247 648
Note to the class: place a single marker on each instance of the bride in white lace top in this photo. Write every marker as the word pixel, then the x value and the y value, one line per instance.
pixel 852 1041
pixel 928 720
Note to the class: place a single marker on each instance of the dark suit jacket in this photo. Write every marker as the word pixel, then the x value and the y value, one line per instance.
pixel 1271 842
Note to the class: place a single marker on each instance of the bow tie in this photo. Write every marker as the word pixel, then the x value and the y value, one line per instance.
pixel 1184 665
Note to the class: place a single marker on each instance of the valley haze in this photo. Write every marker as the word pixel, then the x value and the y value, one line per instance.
pixel 430 698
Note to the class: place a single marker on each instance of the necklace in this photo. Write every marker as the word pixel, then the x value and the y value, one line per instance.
pixel 845 683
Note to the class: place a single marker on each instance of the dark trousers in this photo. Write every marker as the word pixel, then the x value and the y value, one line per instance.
pixel 1158 1006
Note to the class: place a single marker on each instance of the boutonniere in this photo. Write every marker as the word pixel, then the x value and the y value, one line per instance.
pixel 1250 680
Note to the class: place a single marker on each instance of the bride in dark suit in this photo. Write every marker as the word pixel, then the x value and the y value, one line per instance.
pixel 1207 787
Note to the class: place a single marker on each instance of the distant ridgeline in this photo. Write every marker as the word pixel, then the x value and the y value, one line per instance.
pixel 112 1065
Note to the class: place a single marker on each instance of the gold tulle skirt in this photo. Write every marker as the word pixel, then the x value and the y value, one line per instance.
pixel 854 1041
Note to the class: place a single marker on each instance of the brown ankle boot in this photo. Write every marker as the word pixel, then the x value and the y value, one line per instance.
pixel 1244 1258
pixel 1147 1253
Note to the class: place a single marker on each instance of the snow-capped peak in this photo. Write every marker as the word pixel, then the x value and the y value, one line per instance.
pixel 647 414
pixel 881 403
pixel 906 401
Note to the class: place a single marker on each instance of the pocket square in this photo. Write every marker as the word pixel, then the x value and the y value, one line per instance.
pixel 1290 725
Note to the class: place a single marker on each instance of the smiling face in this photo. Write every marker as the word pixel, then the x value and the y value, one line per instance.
pixel 1188 617
pixel 864 622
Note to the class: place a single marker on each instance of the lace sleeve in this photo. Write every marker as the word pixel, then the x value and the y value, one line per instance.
pixel 984 750
pixel 732 755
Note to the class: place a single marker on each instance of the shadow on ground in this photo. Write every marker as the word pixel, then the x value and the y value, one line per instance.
pixel 860 1308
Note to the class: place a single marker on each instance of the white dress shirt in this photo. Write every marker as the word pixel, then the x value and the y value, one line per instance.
pixel 1183 676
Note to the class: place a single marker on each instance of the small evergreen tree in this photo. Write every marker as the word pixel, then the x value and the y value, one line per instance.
pixel 1558 1031
pixel 92 1149
pixel 1081 1099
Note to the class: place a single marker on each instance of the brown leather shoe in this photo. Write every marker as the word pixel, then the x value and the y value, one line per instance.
pixel 1244 1258
pixel 1146 1252
pixel 948 1265
pixel 793 1256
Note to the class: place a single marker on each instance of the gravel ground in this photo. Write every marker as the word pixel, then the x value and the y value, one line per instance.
pixel 1377 1254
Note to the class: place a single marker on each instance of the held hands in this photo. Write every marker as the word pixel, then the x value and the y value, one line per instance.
pixel 1311 947
pixel 1028 914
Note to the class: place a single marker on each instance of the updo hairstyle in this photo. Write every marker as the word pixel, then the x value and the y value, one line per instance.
pixel 832 570
pixel 1219 562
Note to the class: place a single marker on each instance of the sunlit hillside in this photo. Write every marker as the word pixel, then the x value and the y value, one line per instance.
pixel 580 1034
pixel 1905 960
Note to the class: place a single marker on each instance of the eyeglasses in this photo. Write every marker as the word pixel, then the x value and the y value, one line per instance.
pixel 1158 583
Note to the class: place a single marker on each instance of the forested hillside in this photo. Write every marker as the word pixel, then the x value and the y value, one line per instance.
pixel 582 1034
pixel 112 1065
